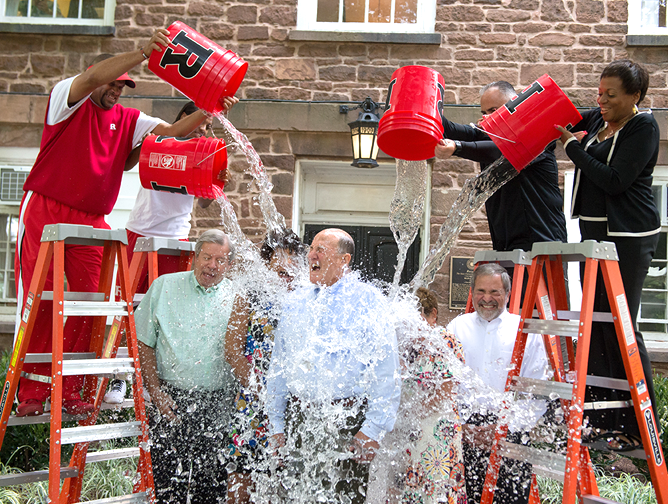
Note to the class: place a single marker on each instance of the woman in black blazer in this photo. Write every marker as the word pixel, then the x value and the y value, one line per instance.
pixel 612 197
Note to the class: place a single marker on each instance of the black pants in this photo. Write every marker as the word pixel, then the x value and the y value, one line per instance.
pixel 635 256
pixel 188 456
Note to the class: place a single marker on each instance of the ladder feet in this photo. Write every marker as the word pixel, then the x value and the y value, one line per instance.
pixel 30 407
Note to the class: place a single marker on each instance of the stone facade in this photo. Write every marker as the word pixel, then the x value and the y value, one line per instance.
pixel 480 41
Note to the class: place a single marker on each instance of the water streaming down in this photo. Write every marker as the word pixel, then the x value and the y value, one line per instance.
pixel 474 194
pixel 407 207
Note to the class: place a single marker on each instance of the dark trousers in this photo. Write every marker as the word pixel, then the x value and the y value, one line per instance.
pixel 188 455
pixel 635 256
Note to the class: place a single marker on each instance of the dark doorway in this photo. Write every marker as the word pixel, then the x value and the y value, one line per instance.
pixel 375 251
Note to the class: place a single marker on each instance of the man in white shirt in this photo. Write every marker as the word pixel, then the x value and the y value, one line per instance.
pixel 488 337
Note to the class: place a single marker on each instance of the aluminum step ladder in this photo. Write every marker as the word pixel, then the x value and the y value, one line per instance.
pixel 574 468
pixel 97 365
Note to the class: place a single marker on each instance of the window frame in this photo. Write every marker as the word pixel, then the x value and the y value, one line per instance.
pixel 634 20
pixel 307 11
pixel 107 19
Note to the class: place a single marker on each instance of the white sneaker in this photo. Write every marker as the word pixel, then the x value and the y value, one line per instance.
pixel 116 392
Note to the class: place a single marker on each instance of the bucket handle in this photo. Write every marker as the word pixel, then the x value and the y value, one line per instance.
pixel 215 152
pixel 475 126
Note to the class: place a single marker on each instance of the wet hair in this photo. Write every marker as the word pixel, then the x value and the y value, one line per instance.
pixel 187 109
pixel 428 300
pixel 491 269
pixel 634 76
pixel 214 236
pixel 505 87
pixel 286 240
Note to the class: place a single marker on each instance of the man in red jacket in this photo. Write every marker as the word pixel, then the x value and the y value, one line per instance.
pixel 86 143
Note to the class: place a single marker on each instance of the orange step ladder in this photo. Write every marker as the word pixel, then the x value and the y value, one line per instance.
pixel 94 364
pixel 574 468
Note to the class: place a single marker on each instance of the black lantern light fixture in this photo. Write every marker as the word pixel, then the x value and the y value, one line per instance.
pixel 363 133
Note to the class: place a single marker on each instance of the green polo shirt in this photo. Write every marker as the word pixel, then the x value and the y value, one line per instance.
pixel 185 324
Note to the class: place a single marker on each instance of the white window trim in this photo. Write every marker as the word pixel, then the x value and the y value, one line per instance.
pixel 107 20
pixel 634 27
pixel 426 20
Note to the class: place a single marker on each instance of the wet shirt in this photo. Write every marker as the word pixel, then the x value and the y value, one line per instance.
pixel 334 343
pixel 185 324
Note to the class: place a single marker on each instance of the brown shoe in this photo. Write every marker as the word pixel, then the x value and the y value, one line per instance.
pixel 30 407
pixel 77 407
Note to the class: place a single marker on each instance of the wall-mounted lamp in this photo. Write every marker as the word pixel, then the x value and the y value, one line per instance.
pixel 363 133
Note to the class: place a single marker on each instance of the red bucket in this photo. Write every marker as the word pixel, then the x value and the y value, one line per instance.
pixel 183 165
pixel 412 123
pixel 524 126
pixel 199 68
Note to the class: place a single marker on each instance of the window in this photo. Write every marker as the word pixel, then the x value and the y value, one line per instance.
pixel 653 316
pixel 647 17
pixel 384 16
pixel 59 12
pixel 9 225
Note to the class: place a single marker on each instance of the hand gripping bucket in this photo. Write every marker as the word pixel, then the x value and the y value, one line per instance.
pixel 192 166
pixel 198 67
pixel 524 126
pixel 412 123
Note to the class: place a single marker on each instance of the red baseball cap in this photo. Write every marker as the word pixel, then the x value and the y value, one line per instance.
pixel 125 77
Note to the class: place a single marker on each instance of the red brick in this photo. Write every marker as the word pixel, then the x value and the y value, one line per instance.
pixel 531 27
pixel 330 96
pixel 578 28
pixel 123 12
pixel 551 55
pixel 295 69
pixel 274 50
pixel 497 38
pixel 337 73
pixel 610 28
pixel 317 86
pixel 293 93
pixel 116 46
pixel 602 40
pixel 220 32
pixel 47 65
pixel 253 33
pixel 475 55
pixel 132 32
pixel 454 75
pixel 617 12
pixel 479 27
pixel 552 39
pixel 592 55
pixel 178 10
pixel 368 73
pixel 80 44
pixel 362 94
pixel 554 10
pixel 460 13
pixel 524 54
pixel 484 77
pixel 16 63
pixel 589 11
pixel 279 16
pixel 507 15
pixel 242 14
pixel 144 19
pixel 258 93
pixel 525 5
pixel 461 38
pixel 563 74
pixel 318 50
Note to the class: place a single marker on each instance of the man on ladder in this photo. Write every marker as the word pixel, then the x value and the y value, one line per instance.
pixel 488 337
pixel 76 178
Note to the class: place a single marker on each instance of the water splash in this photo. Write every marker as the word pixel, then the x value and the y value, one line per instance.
pixel 474 194
pixel 407 207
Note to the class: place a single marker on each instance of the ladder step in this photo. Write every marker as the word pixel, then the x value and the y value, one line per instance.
pixel 596 499
pixel 138 498
pixel 114 454
pixel 45 358
pixel 570 252
pixel 34 476
pixel 610 383
pixel 76 296
pixel 575 315
pixel 542 387
pixel 100 432
pixel 79 234
pixel 568 328
pixel 547 464
pixel 600 405
pixel 90 308
pixel 165 246
pixel 98 366
pixel 46 417
pixel 506 259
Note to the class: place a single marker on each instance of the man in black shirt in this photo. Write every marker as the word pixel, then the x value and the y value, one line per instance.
pixel 528 208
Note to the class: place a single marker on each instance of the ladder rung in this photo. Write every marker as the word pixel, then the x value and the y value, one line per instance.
pixel 596 499
pixel 600 405
pixel 46 417
pixel 117 453
pixel 164 246
pixel 32 477
pixel 575 315
pixel 506 259
pixel 98 366
pixel 100 432
pixel 137 298
pixel 576 251
pixel 542 387
pixel 109 308
pixel 569 328
pixel 138 498
pixel 82 235
pixel 609 383
pixel 547 464
pixel 45 358
pixel 76 296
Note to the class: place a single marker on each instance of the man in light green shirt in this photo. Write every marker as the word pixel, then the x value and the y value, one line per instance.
pixel 181 324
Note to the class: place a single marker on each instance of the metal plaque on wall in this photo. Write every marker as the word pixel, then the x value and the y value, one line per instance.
pixel 461 271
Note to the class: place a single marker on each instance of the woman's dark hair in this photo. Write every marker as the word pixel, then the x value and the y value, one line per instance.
pixel 634 76
pixel 286 240
pixel 188 108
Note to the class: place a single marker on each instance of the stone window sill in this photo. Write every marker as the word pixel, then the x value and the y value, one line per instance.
pixel 57 29
pixel 383 38
pixel 647 40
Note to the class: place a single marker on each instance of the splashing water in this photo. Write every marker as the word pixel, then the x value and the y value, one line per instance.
pixel 474 194
pixel 407 207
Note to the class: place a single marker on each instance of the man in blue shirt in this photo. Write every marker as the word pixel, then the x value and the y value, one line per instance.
pixel 181 324
pixel 334 383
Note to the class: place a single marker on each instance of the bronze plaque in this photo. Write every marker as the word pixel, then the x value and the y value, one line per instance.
pixel 461 272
